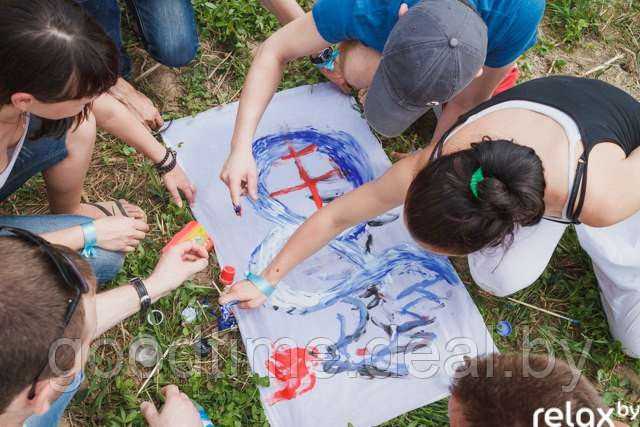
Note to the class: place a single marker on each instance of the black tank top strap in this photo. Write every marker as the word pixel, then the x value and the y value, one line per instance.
pixel 578 187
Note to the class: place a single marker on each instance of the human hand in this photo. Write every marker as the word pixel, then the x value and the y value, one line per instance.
pixel 119 233
pixel 178 410
pixel 137 103
pixel 245 292
pixel 336 77
pixel 175 266
pixel 176 180
pixel 241 176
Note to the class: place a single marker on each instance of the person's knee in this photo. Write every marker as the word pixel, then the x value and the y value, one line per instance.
pixel 106 265
pixel 81 138
pixel 500 282
pixel 175 51
pixel 631 346
pixel 358 63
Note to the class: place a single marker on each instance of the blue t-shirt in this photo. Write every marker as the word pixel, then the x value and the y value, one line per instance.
pixel 512 24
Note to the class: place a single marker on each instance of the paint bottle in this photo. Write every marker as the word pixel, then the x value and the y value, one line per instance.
pixel 227 319
pixel 227 275
pixel 206 421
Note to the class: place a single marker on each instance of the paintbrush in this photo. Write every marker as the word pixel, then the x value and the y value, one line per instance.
pixel 542 310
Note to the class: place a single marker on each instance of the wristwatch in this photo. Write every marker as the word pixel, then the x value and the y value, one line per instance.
pixel 323 57
pixel 141 289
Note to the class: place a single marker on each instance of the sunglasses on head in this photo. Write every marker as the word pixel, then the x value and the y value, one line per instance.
pixel 73 279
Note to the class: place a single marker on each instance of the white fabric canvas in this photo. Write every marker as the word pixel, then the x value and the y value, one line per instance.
pixel 370 327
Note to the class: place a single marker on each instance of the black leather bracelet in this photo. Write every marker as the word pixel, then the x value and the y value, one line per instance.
pixel 164 159
pixel 141 289
pixel 171 165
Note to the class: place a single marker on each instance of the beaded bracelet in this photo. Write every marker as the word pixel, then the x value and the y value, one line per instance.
pixel 163 169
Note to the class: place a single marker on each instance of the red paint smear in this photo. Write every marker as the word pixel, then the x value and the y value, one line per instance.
pixel 301 186
pixel 293 368
pixel 308 182
pixel 292 153
pixel 361 351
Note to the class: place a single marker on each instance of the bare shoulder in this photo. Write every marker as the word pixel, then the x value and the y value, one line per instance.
pixel 611 192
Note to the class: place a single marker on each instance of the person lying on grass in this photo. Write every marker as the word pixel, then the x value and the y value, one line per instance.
pixel 502 186
pixel 57 65
pixel 51 301
pixel 410 55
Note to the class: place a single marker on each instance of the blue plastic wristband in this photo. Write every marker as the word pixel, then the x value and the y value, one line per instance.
pixel 260 283
pixel 90 239
pixel 330 64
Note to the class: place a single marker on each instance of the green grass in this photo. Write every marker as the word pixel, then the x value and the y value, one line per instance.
pixel 223 384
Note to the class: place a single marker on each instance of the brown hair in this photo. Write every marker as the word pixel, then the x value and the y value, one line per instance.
pixel 442 211
pixel 508 389
pixel 54 51
pixel 33 302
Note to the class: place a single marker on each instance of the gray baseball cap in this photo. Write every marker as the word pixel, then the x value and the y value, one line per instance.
pixel 433 52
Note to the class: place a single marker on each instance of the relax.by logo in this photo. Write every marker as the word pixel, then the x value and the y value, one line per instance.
pixel 584 417
pixel 628 412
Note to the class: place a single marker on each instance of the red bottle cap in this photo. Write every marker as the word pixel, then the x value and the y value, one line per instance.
pixel 227 276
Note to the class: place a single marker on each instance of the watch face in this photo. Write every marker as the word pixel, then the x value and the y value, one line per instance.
pixel 326 54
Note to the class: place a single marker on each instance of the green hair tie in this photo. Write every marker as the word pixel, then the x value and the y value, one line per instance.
pixel 475 179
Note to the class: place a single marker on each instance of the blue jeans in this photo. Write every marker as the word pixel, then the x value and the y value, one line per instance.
pixel 167 28
pixel 52 417
pixel 35 156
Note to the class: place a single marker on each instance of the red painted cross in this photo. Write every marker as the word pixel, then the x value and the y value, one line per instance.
pixel 308 182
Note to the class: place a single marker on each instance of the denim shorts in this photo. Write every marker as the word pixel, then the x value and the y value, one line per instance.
pixel 35 156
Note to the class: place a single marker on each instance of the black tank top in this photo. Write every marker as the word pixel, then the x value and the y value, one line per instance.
pixel 601 111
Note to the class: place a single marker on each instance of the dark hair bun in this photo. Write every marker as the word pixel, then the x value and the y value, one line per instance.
pixel 442 211
pixel 514 185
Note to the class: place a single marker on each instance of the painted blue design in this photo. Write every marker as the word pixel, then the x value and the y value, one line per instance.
pixel 362 288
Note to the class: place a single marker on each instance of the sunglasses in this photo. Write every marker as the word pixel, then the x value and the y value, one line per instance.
pixel 72 278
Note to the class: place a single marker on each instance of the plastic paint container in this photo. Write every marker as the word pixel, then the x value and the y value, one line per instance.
pixel 504 328
pixel 155 317
pixel 189 314
pixel 227 275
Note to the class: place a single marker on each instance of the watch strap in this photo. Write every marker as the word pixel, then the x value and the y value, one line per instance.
pixel 141 289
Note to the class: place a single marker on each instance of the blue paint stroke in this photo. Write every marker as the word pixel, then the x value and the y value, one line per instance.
pixel 363 288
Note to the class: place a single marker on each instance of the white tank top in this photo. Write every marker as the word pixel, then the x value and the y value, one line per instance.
pixel 14 155
pixel 563 119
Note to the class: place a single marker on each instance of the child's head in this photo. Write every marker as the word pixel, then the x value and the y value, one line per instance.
pixel 55 59
pixel 34 301
pixel 434 51
pixel 512 389
pixel 444 215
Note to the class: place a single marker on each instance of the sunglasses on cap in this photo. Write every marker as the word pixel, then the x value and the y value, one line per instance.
pixel 73 279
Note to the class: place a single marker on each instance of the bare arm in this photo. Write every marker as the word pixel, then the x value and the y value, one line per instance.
pixel 115 118
pixel 139 105
pixel 112 116
pixel 173 268
pixel 72 237
pixel 612 186
pixel 478 91
pixel 370 200
pixel 285 10
pixel 296 39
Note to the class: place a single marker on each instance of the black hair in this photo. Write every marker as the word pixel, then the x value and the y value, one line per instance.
pixel 442 211
pixel 54 51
